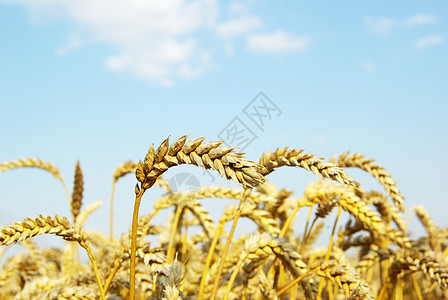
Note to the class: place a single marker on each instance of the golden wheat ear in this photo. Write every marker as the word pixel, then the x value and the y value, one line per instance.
pixel 78 188
pixel 357 160
pixel 209 155
pixel 32 162
pixel 297 158
pixel 57 225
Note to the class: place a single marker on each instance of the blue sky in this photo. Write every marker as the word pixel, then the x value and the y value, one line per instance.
pixel 99 81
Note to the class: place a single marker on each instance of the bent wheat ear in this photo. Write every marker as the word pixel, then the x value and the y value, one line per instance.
pixel 296 158
pixel 358 160
pixel 38 163
pixel 31 227
pixel 124 169
pixel 31 162
pixel 211 155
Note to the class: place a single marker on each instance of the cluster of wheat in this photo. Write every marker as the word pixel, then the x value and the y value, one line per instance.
pixel 369 255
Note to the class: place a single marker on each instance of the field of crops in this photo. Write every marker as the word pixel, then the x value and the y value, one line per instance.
pixel 369 255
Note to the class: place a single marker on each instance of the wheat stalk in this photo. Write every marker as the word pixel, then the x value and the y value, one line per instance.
pixel 274 260
pixel 120 171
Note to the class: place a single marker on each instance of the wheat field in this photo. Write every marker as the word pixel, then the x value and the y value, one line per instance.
pixel 369 254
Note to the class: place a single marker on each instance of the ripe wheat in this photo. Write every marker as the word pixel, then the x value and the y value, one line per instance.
pixel 184 257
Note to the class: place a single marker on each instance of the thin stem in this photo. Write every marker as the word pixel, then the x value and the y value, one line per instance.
pixel 95 268
pixel 185 239
pixel 282 234
pixel 211 251
pixel 408 219
pixel 330 290
pixel 117 263
pixel 74 263
pixel 138 198
pixel 306 228
pixel 294 282
pixel 112 211
pixel 229 240
pixel 111 276
pixel 67 194
pixel 399 289
pixel 289 220
pixel 386 268
pixel 171 247
pixel 327 256
pixel 311 228
pixel 234 274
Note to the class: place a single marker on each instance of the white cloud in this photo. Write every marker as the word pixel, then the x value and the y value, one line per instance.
pixel 380 25
pixel 276 42
pixel 420 19
pixel 161 41
pixel 431 40
pixel 369 67
pixel 155 40
pixel 240 26
pixel 74 43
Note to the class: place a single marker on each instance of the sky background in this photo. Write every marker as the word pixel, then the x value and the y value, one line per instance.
pixel 99 81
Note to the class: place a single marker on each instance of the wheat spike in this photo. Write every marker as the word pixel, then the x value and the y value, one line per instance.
pixel 229 193
pixel 358 160
pixel 260 217
pixel 424 262
pixel 31 227
pixel 344 278
pixel 230 165
pixel 431 229
pixel 266 287
pixel 387 210
pixel 78 188
pixel 347 199
pixel 123 169
pixel 296 158
pixel 31 162
pixel 128 167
